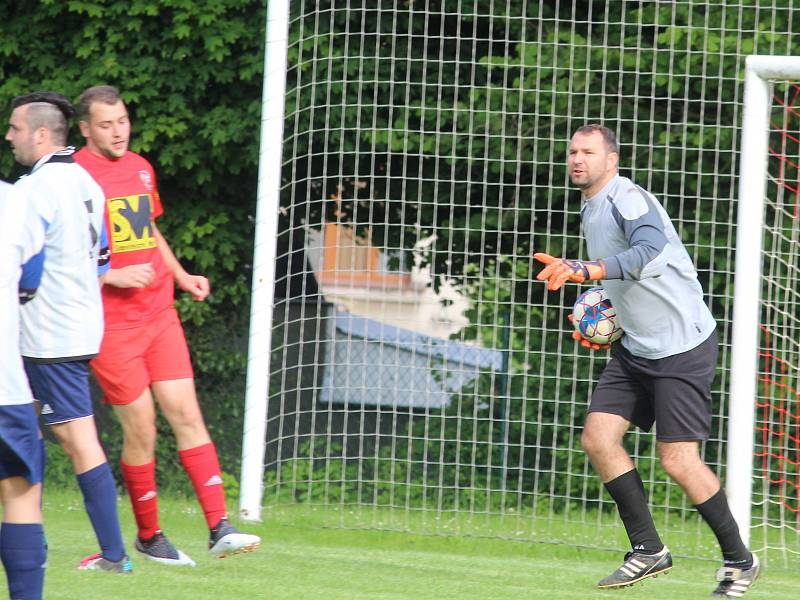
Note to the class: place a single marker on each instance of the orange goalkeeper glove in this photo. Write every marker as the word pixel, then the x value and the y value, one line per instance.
pixel 560 270
pixel 576 335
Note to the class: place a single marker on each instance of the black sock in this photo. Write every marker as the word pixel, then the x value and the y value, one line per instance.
pixel 716 512
pixel 627 490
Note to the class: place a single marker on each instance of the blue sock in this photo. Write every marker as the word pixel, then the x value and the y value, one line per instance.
pixel 100 498
pixel 24 554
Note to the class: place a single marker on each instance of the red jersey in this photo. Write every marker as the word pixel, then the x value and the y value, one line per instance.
pixel 129 185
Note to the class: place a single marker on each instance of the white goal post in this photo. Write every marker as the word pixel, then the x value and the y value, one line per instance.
pixel 759 72
pixel 263 285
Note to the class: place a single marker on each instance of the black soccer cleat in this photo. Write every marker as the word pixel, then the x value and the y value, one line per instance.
pixel 638 566
pixel 159 549
pixel 734 582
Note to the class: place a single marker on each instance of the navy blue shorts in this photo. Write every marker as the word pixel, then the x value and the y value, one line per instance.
pixel 20 446
pixel 673 392
pixel 62 390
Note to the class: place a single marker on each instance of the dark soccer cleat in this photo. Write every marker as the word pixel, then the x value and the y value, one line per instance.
pixel 159 549
pixel 638 566
pixel 733 582
pixel 225 540
pixel 97 562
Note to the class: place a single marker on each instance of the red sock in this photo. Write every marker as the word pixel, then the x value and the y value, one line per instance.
pixel 202 466
pixel 141 483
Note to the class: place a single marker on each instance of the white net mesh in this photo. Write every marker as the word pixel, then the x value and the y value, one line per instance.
pixel 419 379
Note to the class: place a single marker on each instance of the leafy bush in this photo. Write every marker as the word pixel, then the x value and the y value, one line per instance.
pixel 191 76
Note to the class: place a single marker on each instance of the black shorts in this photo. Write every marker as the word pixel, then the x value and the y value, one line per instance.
pixel 674 392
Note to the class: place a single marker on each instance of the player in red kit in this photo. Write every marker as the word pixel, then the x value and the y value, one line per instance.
pixel 143 358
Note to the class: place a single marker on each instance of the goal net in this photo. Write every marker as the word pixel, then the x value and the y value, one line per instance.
pixel 418 377
pixel 776 491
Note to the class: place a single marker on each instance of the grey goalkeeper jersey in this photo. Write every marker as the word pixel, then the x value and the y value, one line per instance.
pixel 650 277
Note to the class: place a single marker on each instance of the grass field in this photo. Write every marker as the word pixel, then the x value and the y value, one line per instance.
pixel 299 559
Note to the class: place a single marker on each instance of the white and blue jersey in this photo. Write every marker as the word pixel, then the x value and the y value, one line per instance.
pixel 64 322
pixel 21 237
pixel 650 277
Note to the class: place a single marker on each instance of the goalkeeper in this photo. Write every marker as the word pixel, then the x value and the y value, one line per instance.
pixel 662 370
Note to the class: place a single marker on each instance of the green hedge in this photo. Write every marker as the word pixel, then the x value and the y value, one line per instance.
pixel 191 76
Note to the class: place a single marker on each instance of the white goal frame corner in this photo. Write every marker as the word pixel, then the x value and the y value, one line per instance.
pixel 760 70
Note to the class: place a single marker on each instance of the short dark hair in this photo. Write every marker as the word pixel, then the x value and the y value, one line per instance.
pixel 54 98
pixel 107 94
pixel 609 137
pixel 48 109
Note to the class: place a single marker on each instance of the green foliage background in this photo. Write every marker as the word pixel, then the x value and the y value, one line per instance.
pixel 191 76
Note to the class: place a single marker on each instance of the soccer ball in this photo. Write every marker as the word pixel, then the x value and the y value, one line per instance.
pixel 595 318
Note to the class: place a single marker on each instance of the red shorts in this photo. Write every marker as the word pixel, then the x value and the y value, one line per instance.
pixel 131 359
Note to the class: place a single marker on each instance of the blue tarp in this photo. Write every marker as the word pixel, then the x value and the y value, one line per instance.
pixel 372 363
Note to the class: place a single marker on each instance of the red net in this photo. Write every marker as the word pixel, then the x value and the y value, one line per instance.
pixel 778 426
pixel 778 405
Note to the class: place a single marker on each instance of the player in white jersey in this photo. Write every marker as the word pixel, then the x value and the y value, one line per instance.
pixel 62 327
pixel 22 545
